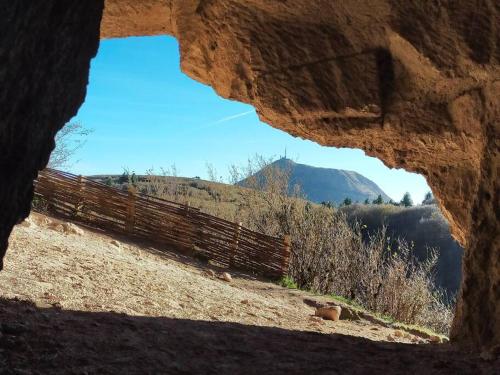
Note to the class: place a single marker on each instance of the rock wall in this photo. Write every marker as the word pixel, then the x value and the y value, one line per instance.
pixel 45 51
pixel 414 83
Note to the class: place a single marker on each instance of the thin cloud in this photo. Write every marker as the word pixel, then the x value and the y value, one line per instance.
pixel 229 118
pixel 220 121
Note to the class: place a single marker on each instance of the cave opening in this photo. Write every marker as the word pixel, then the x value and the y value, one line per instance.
pixel 440 115
pixel 147 118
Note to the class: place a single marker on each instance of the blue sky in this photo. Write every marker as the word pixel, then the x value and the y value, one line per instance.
pixel 146 113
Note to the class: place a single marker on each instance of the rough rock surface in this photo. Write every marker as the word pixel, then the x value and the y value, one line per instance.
pixel 45 52
pixel 414 83
pixel 329 313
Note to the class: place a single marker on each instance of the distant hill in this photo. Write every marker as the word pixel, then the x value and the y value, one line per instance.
pixel 327 184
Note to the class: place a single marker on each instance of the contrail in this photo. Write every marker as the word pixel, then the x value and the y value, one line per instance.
pixel 229 118
pixel 217 122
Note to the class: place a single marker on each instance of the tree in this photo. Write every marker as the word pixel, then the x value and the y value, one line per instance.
pixel 407 201
pixel 347 201
pixel 125 177
pixel 328 204
pixel 429 199
pixel 68 140
pixel 367 201
pixel 379 200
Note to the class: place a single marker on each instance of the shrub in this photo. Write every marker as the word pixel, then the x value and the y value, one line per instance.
pixel 333 255
pixel 287 282
pixel 422 226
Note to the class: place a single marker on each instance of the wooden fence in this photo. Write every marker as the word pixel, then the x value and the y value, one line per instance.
pixel 163 222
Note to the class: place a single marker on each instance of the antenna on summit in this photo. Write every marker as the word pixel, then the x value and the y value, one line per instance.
pixel 285 152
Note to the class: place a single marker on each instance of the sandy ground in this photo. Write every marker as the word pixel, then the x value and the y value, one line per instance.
pixel 89 303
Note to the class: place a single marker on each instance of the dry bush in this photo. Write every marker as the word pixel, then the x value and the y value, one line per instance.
pixel 423 226
pixel 331 255
pixel 160 185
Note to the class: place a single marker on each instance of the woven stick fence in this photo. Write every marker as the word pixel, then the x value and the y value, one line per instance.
pixel 164 222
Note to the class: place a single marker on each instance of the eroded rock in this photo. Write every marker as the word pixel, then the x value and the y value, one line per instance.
pixel 329 312
pixel 413 83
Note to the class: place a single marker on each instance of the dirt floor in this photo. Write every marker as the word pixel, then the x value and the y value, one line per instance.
pixel 74 300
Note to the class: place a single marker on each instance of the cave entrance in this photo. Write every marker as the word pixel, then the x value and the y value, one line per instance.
pixel 425 101
pixel 149 119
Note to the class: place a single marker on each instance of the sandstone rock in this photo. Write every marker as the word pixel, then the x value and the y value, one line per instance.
pixel 41 220
pixel 390 338
pixel 245 302
pixel 70 228
pixel 398 333
pixel 56 227
pixel 329 313
pixel 349 313
pixel 412 83
pixel 210 273
pixel 316 320
pixel 28 222
pixel 116 243
pixel 66 228
pixel 435 339
pixel 226 277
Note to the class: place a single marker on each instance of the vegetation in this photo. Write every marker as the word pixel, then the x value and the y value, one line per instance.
pixel 429 199
pixel 423 227
pixel 347 202
pixel 406 201
pixel 68 141
pixel 333 252
pixel 287 282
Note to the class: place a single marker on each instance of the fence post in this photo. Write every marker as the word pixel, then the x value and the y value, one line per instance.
pixel 79 198
pixel 190 249
pixel 236 240
pixel 287 243
pixel 130 219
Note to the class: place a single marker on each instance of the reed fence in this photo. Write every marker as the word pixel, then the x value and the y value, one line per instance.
pixel 164 222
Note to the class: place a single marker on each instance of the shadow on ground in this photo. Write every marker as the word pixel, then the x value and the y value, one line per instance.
pixel 54 341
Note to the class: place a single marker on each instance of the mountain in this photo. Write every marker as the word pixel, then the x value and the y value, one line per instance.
pixel 327 184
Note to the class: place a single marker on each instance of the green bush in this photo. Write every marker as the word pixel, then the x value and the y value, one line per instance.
pixel 287 282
